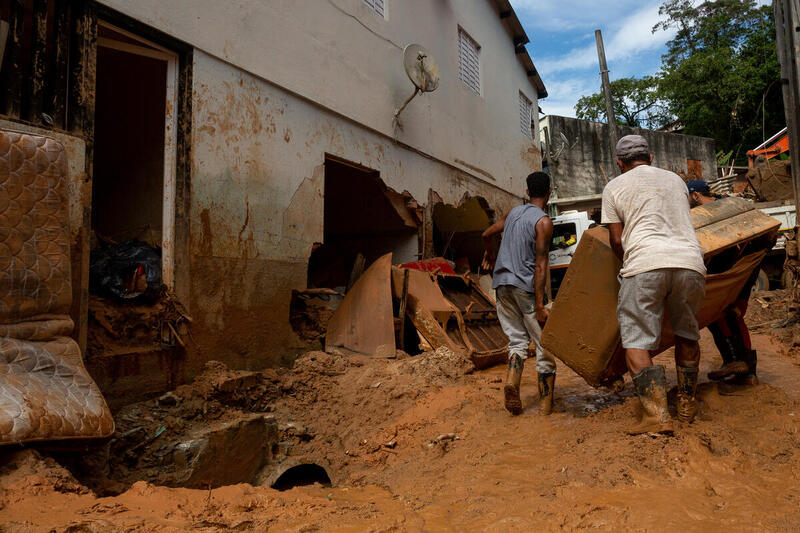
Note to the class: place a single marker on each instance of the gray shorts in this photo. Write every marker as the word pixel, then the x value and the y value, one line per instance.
pixel 643 298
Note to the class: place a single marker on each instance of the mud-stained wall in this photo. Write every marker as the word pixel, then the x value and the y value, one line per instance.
pixel 257 205
pixel 576 163
pixel 345 57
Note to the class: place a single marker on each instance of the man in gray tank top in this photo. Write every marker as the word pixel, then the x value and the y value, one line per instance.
pixel 520 272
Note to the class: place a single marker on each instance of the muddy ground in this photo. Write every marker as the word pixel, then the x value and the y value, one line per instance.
pixel 424 444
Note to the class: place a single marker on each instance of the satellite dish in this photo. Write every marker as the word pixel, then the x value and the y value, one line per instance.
pixel 422 70
pixel 421 67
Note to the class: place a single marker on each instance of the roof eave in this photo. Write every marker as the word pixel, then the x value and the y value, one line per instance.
pixel 520 39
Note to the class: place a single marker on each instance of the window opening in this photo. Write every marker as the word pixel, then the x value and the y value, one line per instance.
pixel 469 69
pixel 378 6
pixel 525 108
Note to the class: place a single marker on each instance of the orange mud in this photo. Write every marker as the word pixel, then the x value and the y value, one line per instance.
pixel 423 444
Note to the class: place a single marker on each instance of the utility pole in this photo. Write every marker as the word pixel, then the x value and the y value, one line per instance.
pixel 787 39
pixel 787 26
pixel 612 120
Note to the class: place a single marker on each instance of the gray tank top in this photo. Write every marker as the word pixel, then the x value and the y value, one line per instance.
pixel 517 256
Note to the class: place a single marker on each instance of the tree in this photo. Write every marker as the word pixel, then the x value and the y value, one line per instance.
pixel 636 103
pixel 720 74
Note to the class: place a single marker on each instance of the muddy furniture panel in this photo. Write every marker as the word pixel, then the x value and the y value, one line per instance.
pixel 45 391
pixel 583 330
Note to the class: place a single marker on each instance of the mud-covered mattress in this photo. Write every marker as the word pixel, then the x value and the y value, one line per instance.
pixel 45 391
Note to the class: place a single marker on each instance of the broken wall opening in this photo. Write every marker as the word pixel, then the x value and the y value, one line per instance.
pixel 457 232
pixel 363 220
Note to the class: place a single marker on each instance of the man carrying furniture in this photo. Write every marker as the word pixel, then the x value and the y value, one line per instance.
pixel 651 231
pixel 519 278
pixel 730 332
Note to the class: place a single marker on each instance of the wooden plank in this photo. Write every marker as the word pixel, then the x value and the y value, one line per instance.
pixel 36 85
pixel 363 323
pixel 60 64
pixel 402 313
pixel 13 74
pixel 83 57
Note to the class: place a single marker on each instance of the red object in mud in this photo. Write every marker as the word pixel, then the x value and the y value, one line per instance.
pixel 435 264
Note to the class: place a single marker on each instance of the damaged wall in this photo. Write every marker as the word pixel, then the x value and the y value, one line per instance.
pixel 576 170
pixel 262 123
pixel 257 204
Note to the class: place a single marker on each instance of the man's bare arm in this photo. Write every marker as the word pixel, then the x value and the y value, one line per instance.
pixel 615 231
pixel 544 236
pixel 488 235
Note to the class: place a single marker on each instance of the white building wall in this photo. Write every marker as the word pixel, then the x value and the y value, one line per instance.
pixel 343 56
pixel 277 85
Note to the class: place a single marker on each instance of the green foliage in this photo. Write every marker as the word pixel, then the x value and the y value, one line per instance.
pixel 636 103
pixel 720 72
pixel 719 77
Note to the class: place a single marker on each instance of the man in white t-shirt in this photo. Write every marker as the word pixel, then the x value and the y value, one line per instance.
pixel 651 231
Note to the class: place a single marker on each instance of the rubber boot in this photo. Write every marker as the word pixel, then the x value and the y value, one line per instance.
pixel 687 386
pixel 511 388
pixel 651 386
pixel 546 384
pixel 731 365
pixel 750 378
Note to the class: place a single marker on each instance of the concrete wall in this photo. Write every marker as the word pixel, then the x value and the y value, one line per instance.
pixel 277 84
pixel 257 204
pixel 575 164
pixel 345 57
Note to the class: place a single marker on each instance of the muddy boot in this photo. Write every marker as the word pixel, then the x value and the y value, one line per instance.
pixel 687 386
pixel 731 365
pixel 750 378
pixel 651 386
pixel 546 384
pixel 511 388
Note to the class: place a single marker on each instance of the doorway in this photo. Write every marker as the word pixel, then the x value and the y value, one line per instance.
pixel 133 194
pixel 133 189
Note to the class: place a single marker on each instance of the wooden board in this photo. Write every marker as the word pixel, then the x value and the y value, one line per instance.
pixel 364 321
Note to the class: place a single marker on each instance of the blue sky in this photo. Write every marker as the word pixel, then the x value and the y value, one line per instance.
pixel 563 46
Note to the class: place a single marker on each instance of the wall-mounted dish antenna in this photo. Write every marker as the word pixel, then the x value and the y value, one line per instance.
pixel 422 70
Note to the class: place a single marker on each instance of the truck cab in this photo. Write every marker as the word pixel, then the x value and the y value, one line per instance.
pixel 568 227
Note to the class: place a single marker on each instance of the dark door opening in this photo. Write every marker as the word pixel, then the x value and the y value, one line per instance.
pixel 128 184
pixel 364 219
pixel 133 167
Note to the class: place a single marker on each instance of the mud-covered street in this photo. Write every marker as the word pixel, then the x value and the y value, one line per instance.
pixel 424 444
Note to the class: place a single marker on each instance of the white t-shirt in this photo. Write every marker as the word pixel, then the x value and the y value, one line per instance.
pixel 653 206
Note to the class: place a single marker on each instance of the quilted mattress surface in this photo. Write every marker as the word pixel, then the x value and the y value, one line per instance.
pixel 45 391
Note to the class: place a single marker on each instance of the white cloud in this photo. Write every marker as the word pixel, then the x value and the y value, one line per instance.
pixel 560 15
pixel 630 37
pixel 564 94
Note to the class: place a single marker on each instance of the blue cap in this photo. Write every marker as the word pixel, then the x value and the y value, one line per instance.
pixel 698 186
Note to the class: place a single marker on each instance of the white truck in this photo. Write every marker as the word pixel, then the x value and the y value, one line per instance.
pixel 568 227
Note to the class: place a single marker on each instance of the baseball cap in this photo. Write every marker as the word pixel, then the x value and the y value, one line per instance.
pixel 631 145
pixel 698 186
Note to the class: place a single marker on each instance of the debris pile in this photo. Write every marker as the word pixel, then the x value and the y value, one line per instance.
pixel 211 432
pixel 117 327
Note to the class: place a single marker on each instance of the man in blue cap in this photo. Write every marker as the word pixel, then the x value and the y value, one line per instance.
pixel 730 332
pixel 700 193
